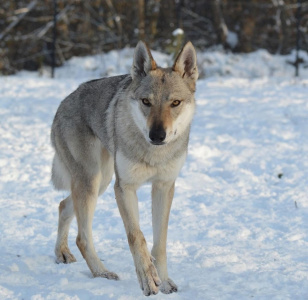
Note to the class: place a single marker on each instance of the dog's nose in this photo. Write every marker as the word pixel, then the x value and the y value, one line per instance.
pixel 157 135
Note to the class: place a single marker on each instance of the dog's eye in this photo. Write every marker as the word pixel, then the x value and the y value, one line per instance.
pixel 175 103
pixel 146 102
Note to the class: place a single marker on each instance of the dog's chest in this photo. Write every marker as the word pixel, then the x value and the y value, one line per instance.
pixel 136 173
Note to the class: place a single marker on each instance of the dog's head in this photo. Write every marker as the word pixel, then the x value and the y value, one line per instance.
pixel 163 98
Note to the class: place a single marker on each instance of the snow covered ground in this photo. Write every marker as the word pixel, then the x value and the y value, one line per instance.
pixel 239 223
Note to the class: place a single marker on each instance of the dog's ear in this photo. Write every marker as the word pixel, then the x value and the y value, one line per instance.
pixel 143 61
pixel 186 63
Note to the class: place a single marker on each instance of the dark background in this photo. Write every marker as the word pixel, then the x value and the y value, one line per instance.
pixel 90 27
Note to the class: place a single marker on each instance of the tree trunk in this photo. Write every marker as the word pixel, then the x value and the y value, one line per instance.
pixel 141 23
pixel 219 22
pixel 153 9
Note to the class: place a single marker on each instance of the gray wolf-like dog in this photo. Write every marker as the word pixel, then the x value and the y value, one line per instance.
pixel 135 126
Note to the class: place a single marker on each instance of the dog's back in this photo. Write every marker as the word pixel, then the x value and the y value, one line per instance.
pixel 81 117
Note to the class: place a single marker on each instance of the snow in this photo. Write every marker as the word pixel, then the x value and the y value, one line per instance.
pixel 232 39
pixel 258 64
pixel 238 225
pixel 178 31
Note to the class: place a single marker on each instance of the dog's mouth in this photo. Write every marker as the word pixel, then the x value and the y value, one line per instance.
pixel 157 143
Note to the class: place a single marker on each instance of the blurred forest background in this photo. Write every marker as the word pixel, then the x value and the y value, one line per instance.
pixel 90 27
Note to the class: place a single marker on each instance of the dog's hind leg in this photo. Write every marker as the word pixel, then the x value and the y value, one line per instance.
pixel 66 215
pixel 84 194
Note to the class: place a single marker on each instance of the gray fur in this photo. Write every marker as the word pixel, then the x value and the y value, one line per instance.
pixel 106 118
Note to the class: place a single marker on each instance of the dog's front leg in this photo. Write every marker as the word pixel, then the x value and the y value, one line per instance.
pixel 128 206
pixel 162 195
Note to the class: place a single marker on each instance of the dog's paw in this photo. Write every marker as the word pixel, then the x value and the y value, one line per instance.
pixel 64 256
pixel 148 279
pixel 168 287
pixel 107 274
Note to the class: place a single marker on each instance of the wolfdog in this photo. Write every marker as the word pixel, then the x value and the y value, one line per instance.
pixel 136 126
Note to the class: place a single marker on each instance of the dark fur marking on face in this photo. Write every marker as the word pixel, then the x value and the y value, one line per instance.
pixel 163 79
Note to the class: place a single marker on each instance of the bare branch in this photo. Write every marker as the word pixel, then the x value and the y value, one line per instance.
pixel 50 23
pixel 20 17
